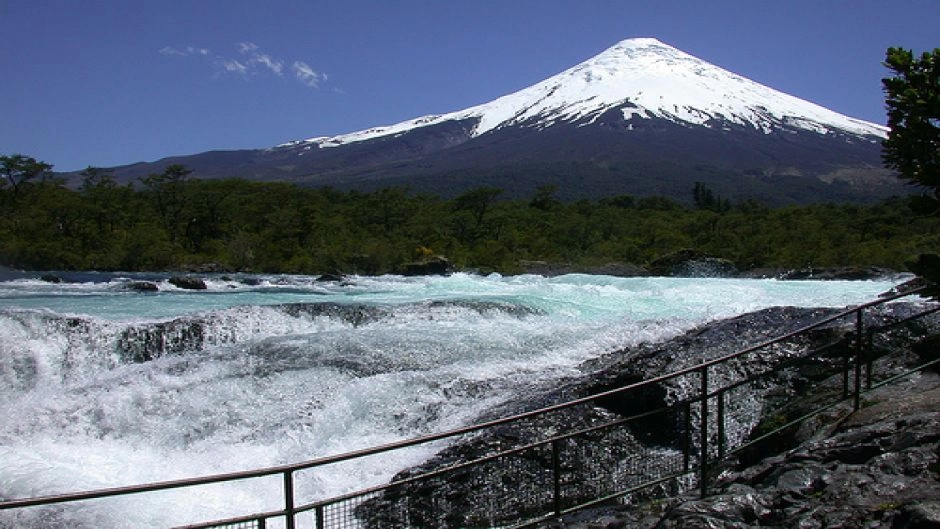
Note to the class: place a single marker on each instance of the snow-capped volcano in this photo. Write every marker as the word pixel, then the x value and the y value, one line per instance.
pixel 640 118
pixel 647 79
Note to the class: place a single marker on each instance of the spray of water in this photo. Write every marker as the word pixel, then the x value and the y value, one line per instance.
pixel 104 387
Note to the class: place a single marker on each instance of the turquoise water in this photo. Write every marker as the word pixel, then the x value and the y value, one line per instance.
pixel 267 383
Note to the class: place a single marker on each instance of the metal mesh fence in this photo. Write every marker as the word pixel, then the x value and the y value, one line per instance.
pixel 492 492
pixel 259 523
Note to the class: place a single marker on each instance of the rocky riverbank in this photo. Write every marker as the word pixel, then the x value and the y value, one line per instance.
pixel 878 467
pixel 769 487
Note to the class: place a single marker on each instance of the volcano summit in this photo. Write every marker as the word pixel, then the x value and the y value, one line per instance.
pixel 641 118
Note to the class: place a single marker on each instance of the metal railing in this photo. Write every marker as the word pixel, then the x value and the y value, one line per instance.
pixel 606 457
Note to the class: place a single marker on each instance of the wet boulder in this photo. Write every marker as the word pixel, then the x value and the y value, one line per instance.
pixel 188 282
pixel 842 273
pixel 141 286
pixel 692 263
pixel 436 265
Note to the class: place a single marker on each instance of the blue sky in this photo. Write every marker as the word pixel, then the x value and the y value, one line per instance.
pixel 109 82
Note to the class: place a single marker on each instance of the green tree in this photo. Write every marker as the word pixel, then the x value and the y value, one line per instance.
pixel 912 97
pixel 913 103
pixel 169 194
pixel 16 169
pixel 545 197
pixel 471 208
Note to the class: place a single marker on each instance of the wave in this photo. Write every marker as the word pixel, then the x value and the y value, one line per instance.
pixel 114 388
pixel 36 344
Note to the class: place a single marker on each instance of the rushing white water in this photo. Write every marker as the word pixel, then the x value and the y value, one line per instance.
pixel 103 386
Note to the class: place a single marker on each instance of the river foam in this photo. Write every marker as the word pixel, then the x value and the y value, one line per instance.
pixel 107 387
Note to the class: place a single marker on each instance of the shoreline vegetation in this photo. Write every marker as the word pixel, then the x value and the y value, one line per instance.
pixel 175 223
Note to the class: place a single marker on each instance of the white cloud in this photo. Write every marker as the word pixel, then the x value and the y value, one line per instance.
pixel 234 66
pixel 306 75
pixel 265 60
pixel 257 58
pixel 190 50
pixel 169 50
pixel 247 47
pixel 254 61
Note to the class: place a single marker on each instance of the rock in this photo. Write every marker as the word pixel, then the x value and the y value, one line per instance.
pixel 330 278
pixel 881 466
pixel 905 287
pixel 51 278
pixel 845 473
pixel 188 282
pixel 141 286
pixel 762 273
pixel 824 483
pixel 923 515
pixel 432 266
pixel 544 268
pixel 149 341
pixel 617 269
pixel 692 263
pixel 849 273
pixel 928 350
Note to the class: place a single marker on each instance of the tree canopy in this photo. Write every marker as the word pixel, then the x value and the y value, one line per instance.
pixel 17 168
pixel 172 221
pixel 912 97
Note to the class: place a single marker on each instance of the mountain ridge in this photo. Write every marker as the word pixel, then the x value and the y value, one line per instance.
pixel 639 118
pixel 639 64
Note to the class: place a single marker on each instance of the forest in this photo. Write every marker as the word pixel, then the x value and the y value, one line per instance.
pixel 169 221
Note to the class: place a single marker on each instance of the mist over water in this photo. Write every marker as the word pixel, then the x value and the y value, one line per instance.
pixel 105 387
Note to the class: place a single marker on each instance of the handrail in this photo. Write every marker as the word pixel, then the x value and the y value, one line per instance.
pixel 287 470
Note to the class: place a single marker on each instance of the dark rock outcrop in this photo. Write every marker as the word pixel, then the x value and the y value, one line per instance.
pixel 188 282
pixel 145 342
pixel 878 467
pixel 432 266
pixel 611 459
pixel 141 286
pixel 692 263
pixel 848 273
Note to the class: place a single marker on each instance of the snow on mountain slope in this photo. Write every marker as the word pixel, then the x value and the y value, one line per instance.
pixel 646 79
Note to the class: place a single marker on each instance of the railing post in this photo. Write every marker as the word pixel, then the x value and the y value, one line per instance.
pixel 687 455
pixel 556 476
pixel 290 522
pixel 845 374
pixel 320 522
pixel 721 424
pixel 703 431
pixel 859 350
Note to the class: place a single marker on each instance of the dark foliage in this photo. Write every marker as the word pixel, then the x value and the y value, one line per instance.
pixel 912 97
pixel 175 222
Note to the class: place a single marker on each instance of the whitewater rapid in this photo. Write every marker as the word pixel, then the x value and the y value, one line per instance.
pixel 104 386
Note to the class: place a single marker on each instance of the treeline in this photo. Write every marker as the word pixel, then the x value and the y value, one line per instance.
pixel 170 221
